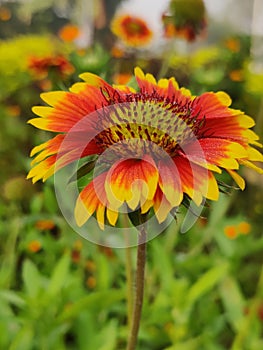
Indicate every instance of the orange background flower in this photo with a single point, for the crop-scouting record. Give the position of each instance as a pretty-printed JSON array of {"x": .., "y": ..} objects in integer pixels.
[
  {"x": 132, "y": 30},
  {"x": 69, "y": 33}
]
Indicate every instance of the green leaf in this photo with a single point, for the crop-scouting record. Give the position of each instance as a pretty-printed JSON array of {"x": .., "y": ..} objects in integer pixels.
[
  {"x": 192, "y": 344},
  {"x": 97, "y": 300},
  {"x": 133, "y": 83},
  {"x": 103, "y": 274},
  {"x": 23, "y": 339},
  {"x": 85, "y": 326},
  {"x": 91, "y": 333},
  {"x": 218, "y": 211},
  {"x": 83, "y": 171},
  {"x": 166, "y": 269},
  {"x": 233, "y": 302},
  {"x": 109, "y": 333},
  {"x": 59, "y": 275},
  {"x": 12, "y": 298},
  {"x": 206, "y": 282},
  {"x": 36, "y": 203},
  {"x": 31, "y": 278},
  {"x": 50, "y": 201}
]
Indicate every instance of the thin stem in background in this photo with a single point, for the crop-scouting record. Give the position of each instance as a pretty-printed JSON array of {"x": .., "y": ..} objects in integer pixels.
[
  {"x": 243, "y": 333},
  {"x": 139, "y": 291}
]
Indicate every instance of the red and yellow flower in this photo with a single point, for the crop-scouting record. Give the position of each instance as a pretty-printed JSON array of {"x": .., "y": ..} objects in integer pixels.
[
  {"x": 132, "y": 30},
  {"x": 155, "y": 147},
  {"x": 185, "y": 19},
  {"x": 41, "y": 66},
  {"x": 186, "y": 32}
]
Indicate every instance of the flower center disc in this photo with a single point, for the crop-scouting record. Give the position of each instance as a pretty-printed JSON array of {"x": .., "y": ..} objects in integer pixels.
[{"x": 146, "y": 124}]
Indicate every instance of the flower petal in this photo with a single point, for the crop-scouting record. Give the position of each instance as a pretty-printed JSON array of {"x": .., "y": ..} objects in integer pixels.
[
  {"x": 166, "y": 88},
  {"x": 162, "y": 206},
  {"x": 214, "y": 151},
  {"x": 47, "y": 149},
  {"x": 170, "y": 183},
  {"x": 232, "y": 128},
  {"x": 68, "y": 109},
  {"x": 212, "y": 105},
  {"x": 250, "y": 165},
  {"x": 100, "y": 212},
  {"x": 197, "y": 182},
  {"x": 237, "y": 178},
  {"x": 41, "y": 170},
  {"x": 254, "y": 155},
  {"x": 92, "y": 198},
  {"x": 131, "y": 181},
  {"x": 62, "y": 150},
  {"x": 112, "y": 216}
]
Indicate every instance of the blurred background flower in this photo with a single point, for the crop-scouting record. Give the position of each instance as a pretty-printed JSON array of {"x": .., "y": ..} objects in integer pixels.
[
  {"x": 185, "y": 19},
  {"x": 132, "y": 30}
]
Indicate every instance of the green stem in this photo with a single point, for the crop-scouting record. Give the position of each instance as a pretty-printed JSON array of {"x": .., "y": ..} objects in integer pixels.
[
  {"x": 137, "y": 310},
  {"x": 129, "y": 272}
]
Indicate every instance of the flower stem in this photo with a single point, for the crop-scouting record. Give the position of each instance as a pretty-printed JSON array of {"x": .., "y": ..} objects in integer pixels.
[
  {"x": 137, "y": 309},
  {"x": 129, "y": 272},
  {"x": 129, "y": 276}
]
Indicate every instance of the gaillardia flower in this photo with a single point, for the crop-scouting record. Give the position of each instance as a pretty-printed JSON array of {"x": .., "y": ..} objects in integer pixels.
[
  {"x": 149, "y": 150},
  {"x": 132, "y": 30},
  {"x": 185, "y": 19},
  {"x": 41, "y": 66}
]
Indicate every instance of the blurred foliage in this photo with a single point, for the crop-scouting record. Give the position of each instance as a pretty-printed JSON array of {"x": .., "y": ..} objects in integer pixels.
[{"x": 204, "y": 289}]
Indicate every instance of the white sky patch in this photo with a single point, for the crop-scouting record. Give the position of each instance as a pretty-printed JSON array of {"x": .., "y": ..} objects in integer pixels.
[{"x": 236, "y": 13}]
